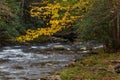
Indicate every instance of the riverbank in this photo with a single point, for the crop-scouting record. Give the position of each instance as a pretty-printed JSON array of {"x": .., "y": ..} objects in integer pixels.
[{"x": 96, "y": 67}]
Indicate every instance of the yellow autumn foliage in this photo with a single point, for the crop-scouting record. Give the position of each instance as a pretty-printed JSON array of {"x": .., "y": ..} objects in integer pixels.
[{"x": 57, "y": 21}]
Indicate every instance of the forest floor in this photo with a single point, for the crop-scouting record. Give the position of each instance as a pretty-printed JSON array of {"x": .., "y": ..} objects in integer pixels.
[{"x": 96, "y": 67}]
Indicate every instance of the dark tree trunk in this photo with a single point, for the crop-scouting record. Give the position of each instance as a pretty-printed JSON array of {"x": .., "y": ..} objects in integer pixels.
[
  {"x": 114, "y": 27},
  {"x": 25, "y": 8}
]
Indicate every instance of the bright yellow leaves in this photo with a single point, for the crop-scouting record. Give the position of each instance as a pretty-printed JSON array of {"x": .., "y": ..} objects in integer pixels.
[
  {"x": 32, "y": 34},
  {"x": 57, "y": 20}
]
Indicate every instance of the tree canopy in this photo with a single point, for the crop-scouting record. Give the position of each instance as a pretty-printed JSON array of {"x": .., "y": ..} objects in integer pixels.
[
  {"x": 56, "y": 16},
  {"x": 87, "y": 19}
]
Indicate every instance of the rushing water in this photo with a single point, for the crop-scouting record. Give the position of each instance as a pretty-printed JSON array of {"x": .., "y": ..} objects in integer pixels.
[{"x": 24, "y": 63}]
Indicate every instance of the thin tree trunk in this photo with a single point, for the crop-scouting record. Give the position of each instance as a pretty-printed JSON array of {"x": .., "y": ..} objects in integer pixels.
[
  {"x": 26, "y": 9},
  {"x": 118, "y": 23}
]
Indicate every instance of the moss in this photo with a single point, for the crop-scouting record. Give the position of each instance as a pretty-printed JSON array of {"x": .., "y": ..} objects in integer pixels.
[
  {"x": 96, "y": 67},
  {"x": 69, "y": 73}
]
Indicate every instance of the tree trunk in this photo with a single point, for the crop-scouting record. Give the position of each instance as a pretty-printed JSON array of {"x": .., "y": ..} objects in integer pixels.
[
  {"x": 115, "y": 25},
  {"x": 25, "y": 8},
  {"x": 117, "y": 8}
]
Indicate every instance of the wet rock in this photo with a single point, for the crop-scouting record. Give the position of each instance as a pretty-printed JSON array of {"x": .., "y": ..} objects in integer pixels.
[
  {"x": 25, "y": 78},
  {"x": 58, "y": 47},
  {"x": 3, "y": 60},
  {"x": 87, "y": 51},
  {"x": 7, "y": 78},
  {"x": 18, "y": 67},
  {"x": 114, "y": 66},
  {"x": 115, "y": 61},
  {"x": 43, "y": 79},
  {"x": 71, "y": 64},
  {"x": 49, "y": 64},
  {"x": 2, "y": 73},
  {"x": 57, "y": 39},
  {"x": 42, "y": 64},
  {"x": 117, "y": 69},
  {"x": 54, "y": 77},
  {"x": 37, "y": 64}
]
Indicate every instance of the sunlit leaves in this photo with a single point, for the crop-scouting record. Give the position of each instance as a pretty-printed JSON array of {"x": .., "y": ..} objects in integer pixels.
[{"x": 56, "y": 16}]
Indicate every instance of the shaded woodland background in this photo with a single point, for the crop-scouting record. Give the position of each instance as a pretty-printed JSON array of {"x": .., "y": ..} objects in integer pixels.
[{"x": 101, "y": 22}]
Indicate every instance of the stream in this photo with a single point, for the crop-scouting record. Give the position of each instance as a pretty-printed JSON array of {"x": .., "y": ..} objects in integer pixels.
[{"x": 32, "y": 62}]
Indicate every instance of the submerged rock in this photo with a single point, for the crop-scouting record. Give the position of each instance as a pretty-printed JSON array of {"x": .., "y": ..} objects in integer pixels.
[
  {"x": 3, "y": 60},
  {"x": 33, "y": 63},
  {"x": 18, "y": 67}
]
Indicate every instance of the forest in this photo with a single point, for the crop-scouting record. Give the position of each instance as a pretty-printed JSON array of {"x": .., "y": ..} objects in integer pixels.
[
  {"x": 37, "y": 20},
  {"x": 62, "y": 26}
]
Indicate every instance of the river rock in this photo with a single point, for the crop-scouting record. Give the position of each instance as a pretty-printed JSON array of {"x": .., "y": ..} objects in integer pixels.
[
  {"x": 71, "y": 64},
  {"x": 49, "y": 64},
  {"x": 3, "y": 60},
  {"x": 43, "y": 79},
  {"x": 117, "y": 69},
  {"x": 58, "y": 39},
  {"x": 114, "y": 61},
  {"x": 58, "y": 47},
  {"x": 18, "y": 67},
  {"x": 114, "y": 66},
  {"x": 54, "y": 77}
]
